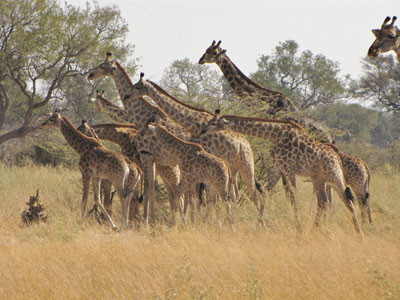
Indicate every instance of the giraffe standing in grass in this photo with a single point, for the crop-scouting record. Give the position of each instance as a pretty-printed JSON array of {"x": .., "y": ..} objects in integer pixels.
[
  {"x": 98, "y": 162},
  {"x": 123, "y": 135},
  {"x": 196, "y": 164},
  {"x": 387, "y": 38},
  {"x": 295, "y": 153}
]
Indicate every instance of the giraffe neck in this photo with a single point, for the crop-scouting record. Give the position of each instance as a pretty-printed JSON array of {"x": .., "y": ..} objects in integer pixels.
[
  {"x": 247, "y": 89},
  {"x": 113, "y": 111},
  {"x": 190, "y": 117},
  {"x": 272, "y": 130},
  {"x": 240, "y": 83},
  {"x": 175, "y": 148},
  {"x": 120, "y": 136},
  {"x": 77, "y": 140},
  {"x": 122, "y": 81}
]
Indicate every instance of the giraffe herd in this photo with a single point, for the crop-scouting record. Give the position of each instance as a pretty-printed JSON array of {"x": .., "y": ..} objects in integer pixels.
[{"x": 189, "y": 147}]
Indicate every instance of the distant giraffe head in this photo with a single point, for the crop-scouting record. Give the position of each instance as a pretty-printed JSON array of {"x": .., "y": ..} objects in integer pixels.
[
  {"x": 52, "y": 120},
  {"x": 387, "y": 39},
  {"x": 212, "y": 53},
  {"x": 105, "y": 69}
]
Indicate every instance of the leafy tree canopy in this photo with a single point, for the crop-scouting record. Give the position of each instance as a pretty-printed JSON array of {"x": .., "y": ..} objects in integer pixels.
[
  {"x": 306, "y": 78},
  {"x": 44, "y": 47}
]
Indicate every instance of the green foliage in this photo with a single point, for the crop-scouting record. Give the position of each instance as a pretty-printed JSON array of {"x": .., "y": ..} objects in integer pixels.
[
  {"x": 193, "y": 83},
  {"x": 306, "y": 78},
  {"x": 48, "y": 49},
  {"x": 379, "y": 83}
]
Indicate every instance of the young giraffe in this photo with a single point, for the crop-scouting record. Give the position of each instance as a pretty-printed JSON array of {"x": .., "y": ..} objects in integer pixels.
[
  {"x": 224, "y": 145},
  {"x": 357, "y": 175},
  {"x": 169, "y": 174},
  {"x": 387, "y": 39},
  {"x": 295, "y": 153},
  {"x": 249, "y": 91},
  {"x": 197, "y": 165},
  {"x": 124, "y": 138},
  {"x": 234, "y": 148},
  {"x": 97, "y": 162}
]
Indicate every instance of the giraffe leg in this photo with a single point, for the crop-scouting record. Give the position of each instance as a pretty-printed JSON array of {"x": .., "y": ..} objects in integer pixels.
[
  {"x": 347, "y": 197},
  {"x": 134, "y": 206},
  {"x": 328, "y": 191},
  {"x": 96, "y": 192},
  {"x": 289, "y": 182},
  {"x": 323, "y": 202},
  {"x": 86, "y": 176},
  {"x": 105, "y": 195},
  {"x": 149, "y": 187}
]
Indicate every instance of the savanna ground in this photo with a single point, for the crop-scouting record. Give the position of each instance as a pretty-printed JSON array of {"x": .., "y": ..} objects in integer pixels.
[{"x": 71, "y": 258}]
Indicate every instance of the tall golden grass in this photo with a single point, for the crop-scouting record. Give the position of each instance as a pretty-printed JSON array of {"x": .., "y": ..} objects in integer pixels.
[{"x": 71, "y": 258}]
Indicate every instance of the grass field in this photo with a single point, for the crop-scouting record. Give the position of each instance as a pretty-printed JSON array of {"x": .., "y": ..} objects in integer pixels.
[{"x": 71, "y": 258}]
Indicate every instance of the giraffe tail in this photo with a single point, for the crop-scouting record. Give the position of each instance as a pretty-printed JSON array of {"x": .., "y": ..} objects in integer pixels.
[
  {"x": 349, "y": 194},
  {"x": 259, "y": 187}
]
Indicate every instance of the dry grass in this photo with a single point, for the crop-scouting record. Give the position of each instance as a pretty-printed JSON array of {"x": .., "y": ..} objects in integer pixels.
[{"x": 68, "y": 258}]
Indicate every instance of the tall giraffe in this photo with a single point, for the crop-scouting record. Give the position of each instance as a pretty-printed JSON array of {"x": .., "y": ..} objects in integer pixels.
[
  {"x": 295, "y": 153},
  {"x": 387, "y": 39},
  {"x": 196, "y": 164},
  {"x": 234, "y": 148},
  {"x": 247, "y": 90},
  {"x": 97, "y": 162}
]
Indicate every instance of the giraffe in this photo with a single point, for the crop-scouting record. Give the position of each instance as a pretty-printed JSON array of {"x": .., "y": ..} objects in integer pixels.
[
  {"x": 124, "y": 138},
  {"x": 295, "y": 153},
  {"x": 196, "y": 164},
  {"x": 98, "y": 162},
  {"x": 387, "y": 39},
  {"x": 247, "y": 90},
  {"x": 357, "y": 175},
  {"x": 234, "y": 148}
]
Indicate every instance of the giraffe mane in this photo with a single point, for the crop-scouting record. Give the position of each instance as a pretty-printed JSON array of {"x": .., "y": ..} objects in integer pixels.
[
  {"x": 123, "y": 71},
  {"x": 176, "y": 100},
  {"x": 65, "y": 119},
  {"x": 288, "y": 122},
  {"x": 248, "y": 80},
  {"x": 115, "y": 125},
  {"x": 195, "y": 145}
]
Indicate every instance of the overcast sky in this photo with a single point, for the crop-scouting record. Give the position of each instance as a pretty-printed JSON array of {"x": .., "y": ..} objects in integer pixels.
[{"x": 166, "y": 30}]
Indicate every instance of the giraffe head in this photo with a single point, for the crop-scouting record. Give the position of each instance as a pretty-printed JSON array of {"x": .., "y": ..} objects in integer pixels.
[
  {"x": 140, "y": 88},
  {"x": 105, "y": 69},
  {"x": 387, "y": 38},
  {"x": 88, "y": 130},
  {"x": 212, "y": 54},
  {"x": 52, "y": 120},
  {"x": 215, "y": 124},
  {"x": 146, "y": 136},
  {"x": 97, "y": 100}
]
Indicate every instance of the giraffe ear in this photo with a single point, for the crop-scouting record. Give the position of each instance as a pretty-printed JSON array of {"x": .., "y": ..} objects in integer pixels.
[{"x": 376, "y": 32}]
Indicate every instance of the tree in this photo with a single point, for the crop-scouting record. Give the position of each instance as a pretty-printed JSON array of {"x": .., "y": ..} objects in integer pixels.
[
  {"x": 379, "y": 83},
  {"x": 306, "y": 78},
  {"x": 44, "y": 48},
  {"x": 193, "y": 83}
]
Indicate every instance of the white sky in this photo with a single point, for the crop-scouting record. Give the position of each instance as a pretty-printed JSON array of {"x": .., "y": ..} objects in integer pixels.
[{"x": 166, "y": 30}]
